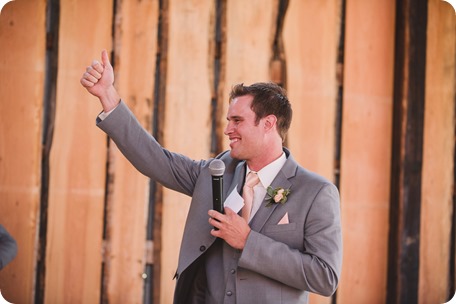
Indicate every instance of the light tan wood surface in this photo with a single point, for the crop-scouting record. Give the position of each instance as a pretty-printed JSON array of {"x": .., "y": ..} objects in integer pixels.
[
  {"x": 187, "y": 121},
  {"x": 249, "y": 37},
  {"x": 22, "y": 63},
  {"x": 128, "y": 196},
  {"x": 312, "y": 86},
  {"x": 366, "y": 149},
  {"x": 78, "y": 160},
  {"x": 438, "y": 154}
]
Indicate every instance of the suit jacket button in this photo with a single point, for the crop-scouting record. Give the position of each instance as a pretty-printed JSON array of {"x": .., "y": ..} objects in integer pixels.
[
  {"x": 229, "y": 293},
  {"x": 202, "y": 248},
  {"x": 233, "y": 271}
]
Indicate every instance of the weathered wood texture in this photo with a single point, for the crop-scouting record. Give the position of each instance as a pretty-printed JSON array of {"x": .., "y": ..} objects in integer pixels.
[
  {"x": 407, "y": 152},
  {"x": 311, "y": 58},
  {"x": 202, "y": 48},
  {"x": 187, "y": 118},
  {"x": 438, "y": 151},
  {"x": 78, "y": 161},
  {"x": 128, "y": 196},
  {"x": 249, "y": 37},
  {"x": 311, "y": 82},
  {"x": 22, "y": 62},
  {"x": 366, "y": 149}
]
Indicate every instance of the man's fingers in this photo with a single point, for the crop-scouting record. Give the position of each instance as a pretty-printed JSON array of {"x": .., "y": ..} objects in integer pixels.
[
  {"x": 90, "y": 78},
  {"x": 229, "y": 211},
  {"x": 215, "y": 222},
  {"x": 93, "y": 72},
  {"x": 96, "y": 65},
  {"x": 87, "y": 84},
  {"x": 215, "y": 214}
]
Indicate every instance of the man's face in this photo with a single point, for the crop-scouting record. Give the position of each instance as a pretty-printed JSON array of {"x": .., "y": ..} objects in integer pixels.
[{"x": 246, "y": 138}]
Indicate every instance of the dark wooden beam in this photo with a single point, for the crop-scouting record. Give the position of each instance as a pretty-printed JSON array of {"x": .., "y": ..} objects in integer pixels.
[
  {"x": 154, "y": 225},
  {"x": 49, "y": 106},
  {"x": 408, "y": 121}
]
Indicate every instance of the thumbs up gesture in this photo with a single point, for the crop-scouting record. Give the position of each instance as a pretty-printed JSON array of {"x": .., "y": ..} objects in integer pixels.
[{"x": 98, "y": 79}]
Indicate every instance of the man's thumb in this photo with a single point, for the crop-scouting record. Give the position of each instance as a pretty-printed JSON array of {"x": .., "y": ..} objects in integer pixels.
[{"x": 105, "y": 59}]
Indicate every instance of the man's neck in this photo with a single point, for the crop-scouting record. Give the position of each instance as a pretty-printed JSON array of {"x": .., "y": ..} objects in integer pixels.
[{"x": 260, "y": 162}]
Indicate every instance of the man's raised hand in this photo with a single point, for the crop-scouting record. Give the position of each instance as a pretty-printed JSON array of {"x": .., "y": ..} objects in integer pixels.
[{"x": 98, "y": 79}]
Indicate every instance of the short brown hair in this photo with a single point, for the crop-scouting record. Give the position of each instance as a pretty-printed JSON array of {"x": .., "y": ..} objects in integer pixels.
[{"x": 268, "y": 98}]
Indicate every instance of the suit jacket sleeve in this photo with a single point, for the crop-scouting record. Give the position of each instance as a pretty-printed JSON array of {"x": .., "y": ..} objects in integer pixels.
[
  {"x": 8, "y": 247},
  {"x": 317, "y": 267},
  {"x": 173, "y": 170}
]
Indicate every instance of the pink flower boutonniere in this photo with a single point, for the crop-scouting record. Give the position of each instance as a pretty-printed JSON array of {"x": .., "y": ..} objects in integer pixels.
[{"x": 276, "y": 196}]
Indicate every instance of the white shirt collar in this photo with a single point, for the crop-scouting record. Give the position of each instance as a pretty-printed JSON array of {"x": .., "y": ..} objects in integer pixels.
[{"x": 270, "y": 171}]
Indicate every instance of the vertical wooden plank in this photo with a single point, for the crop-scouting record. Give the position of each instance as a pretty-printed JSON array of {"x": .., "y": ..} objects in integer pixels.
[
  {"x": 250, "y": 28},
  {"x": 438, "y": 149},
  {"x": 22, "y": 61},
  {"x": 78, "y": 160},
  {"x": 187, "y": 122},
  {"x": 407, "y": 153},
  {"x": 311, "y": 38},
  {"x": 218, "y": 64},
  {"x": 366, "y": 149},
  {"x": 135, "y": 51},
  {"x": 156, "y": 191}
]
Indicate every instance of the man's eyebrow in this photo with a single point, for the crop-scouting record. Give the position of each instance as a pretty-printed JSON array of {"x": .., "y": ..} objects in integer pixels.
[{"x": 234, "y": 117}]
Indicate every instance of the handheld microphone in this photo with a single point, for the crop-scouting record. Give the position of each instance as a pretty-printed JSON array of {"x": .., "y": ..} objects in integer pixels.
[{"x": 217, "y": 168}]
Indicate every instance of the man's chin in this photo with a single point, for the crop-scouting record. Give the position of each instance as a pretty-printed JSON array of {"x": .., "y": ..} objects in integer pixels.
[{"x": 234, "y": 154}]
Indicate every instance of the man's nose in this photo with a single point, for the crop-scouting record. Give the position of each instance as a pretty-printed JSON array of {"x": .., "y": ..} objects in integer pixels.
[{"x": 228, "y": 129}]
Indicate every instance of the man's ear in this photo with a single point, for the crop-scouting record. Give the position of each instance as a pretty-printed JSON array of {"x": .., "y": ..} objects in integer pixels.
[{"x": 270, "y": 122}]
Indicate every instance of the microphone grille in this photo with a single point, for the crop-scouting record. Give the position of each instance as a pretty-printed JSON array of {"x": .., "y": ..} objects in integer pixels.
[{"x": 217, "y": 167}]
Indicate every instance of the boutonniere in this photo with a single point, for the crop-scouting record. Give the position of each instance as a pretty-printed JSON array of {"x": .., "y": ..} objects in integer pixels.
[{"x": 276, "y": 196}]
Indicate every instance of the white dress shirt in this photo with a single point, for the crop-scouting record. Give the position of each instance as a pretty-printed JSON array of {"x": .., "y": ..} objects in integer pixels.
[{"x": 266, "y": 176}]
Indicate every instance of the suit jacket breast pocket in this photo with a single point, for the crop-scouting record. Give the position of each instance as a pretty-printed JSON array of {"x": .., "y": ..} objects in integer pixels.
[
  {"x": 280, "y": 228},
  {"x": 286, "y": 233}
]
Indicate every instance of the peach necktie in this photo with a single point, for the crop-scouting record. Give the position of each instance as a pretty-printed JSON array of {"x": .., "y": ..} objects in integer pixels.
[{"x": 247, "y": 194}]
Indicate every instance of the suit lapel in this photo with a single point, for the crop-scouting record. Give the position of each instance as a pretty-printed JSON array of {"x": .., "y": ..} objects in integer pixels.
[
  {"x": 238, "y": 179},
  {"x": 282, "y": 180}
]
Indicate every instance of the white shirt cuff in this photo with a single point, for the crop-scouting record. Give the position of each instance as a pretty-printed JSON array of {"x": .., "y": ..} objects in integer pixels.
[{"x": 103, "y": 115}]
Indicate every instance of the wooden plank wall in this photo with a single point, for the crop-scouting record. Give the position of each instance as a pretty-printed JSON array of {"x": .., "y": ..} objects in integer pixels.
[
  {"x": 77, "y": 173},
  {"x": 407, "y": 151},
  {"x": 366, "y": 148},
  {"x": 172, "y": 58},
  {"x": 187, "y": 115},
  {"x": 312, "y": 85},
  {"x": 248, "y": 30},
  {"x": 438, "y": 147},
  {"x": 22, "y": 62},
  {"x": 135, "y": 46},
  {"x": 311, "y": 81}
]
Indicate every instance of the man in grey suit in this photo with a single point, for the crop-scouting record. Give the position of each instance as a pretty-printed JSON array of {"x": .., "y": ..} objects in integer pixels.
[{"x": 275, "y": 246}]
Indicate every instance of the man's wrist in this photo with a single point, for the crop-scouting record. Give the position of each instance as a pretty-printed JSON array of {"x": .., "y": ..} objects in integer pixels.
[
  {"x": 110, "y": 100},
  {"x": 246, "y": 238}
]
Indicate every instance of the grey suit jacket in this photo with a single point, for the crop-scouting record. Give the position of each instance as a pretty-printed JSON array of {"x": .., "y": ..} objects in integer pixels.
[
  {"x": 8, "y": 247},
  {"x": 280, "y": 263}
]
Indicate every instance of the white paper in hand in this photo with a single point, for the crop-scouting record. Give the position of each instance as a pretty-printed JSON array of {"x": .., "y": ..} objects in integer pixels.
[{"x": 234, "y": 201}]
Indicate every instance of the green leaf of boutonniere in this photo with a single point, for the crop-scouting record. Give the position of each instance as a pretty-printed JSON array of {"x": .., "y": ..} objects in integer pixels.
[{"x": 278, "y": 195}]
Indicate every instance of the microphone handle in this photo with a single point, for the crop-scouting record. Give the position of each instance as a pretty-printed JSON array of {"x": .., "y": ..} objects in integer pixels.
[{"x": 217, "y": 193}]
